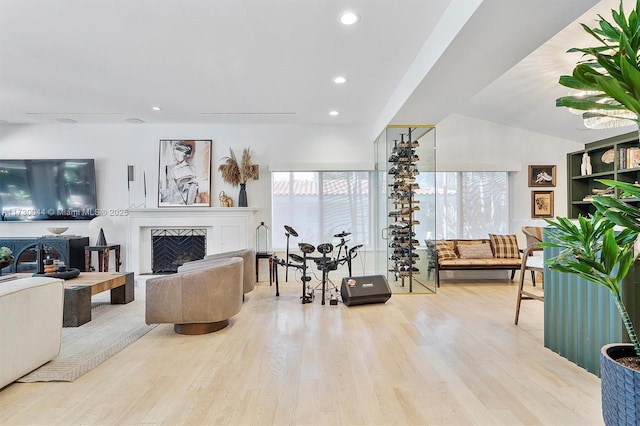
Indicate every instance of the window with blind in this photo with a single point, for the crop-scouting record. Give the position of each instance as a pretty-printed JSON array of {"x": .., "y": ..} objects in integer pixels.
[
  {"x": 318, "y": 205},
  {"x": 471, "y": 204}
]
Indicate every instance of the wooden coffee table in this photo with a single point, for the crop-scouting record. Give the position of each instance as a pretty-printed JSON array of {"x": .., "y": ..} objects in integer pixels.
[{"x": 78, "y": 292}]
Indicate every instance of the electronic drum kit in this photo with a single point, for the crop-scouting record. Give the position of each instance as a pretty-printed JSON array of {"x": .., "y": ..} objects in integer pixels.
[{"x": 324, "y": 263}]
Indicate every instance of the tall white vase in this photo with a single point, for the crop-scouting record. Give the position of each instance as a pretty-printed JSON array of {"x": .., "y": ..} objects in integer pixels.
[{"x": 585, "y": 167}]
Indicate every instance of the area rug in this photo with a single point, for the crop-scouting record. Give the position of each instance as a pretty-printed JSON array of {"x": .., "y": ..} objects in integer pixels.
[{"x": 111, "y": 329}]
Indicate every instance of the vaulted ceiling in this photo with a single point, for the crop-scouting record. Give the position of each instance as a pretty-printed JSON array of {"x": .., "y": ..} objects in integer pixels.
[{"x": 273, "y": 61}]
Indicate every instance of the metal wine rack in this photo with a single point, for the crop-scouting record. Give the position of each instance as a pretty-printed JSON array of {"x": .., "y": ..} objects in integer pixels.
[{"x": 402, "y": 238}]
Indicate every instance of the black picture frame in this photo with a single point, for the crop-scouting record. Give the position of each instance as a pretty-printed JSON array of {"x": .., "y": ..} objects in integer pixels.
[
  {"x": 542, "y": 176},
  {"x": 184, "y": 173},
  {"x": 541, "y": 204}
]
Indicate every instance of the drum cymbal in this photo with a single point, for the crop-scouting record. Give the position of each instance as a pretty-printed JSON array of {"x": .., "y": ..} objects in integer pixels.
[
  {"x": 325, "y": 248},
  {"x": 296, "y": 258},
  {"x": 342, "y": 234},
  {"x": 306, "y": 248},
  {"x": 290, "y": 230},
  {"x": 354, "y": 248}
]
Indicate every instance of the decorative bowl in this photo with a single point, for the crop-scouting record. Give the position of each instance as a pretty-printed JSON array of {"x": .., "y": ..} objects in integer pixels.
[{"x": 57, "y": 230}]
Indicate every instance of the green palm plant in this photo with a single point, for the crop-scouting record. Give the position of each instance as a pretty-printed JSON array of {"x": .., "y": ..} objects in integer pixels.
[
  {"x": 609, "y": 74},
  {"x": 593, "y": 250}
]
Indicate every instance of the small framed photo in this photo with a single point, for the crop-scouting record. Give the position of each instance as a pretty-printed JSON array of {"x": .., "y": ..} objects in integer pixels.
[
  {"x": 184, "y": 175},
  {"x": 542, "y": 176},
  {"x": 541, "y": 204}
]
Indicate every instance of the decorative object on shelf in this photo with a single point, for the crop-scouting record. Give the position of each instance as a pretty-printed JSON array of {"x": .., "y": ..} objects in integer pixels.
[
  {"x": 262, "y": 238},
  {"x": 242, "y": 196},
  {"x": 225, "y": 201},
  {"x": 185, "y": 173},
  {"x": 542, "y": 176},
  {"x": 100, "y": 222},
  {"x": 67, "y": 274},
  {"x": 585, "y": 166},
  {"x": 6, "y": 257},
  {"x": 608, "y": 71},
  {"x": 235, "y": 173},
  {"x": 608, "y": 157},
  {"x": 57, "y": 230},
  {"x": 541, "y": 204}
]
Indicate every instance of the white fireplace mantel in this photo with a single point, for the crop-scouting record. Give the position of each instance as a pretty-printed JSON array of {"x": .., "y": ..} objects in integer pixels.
[{"x": 227, "y": 229}]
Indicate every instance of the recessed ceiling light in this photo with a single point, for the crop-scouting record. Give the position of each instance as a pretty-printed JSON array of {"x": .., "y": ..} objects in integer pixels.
[
  {"x": 339, "y": 80},
  {"x": 349, "y": 18},
  {"x": 66, "y": 120},
  {"x": 156, "y": 108},
  {"x": 134, "y": 120},
  {"x": 333, "y": 113}
]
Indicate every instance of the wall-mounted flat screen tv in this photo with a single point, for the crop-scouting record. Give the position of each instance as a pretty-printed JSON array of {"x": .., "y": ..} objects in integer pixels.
[{"x": 47, "y": 190}]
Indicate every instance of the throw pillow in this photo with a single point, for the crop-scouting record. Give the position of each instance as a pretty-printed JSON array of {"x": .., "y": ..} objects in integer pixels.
[
  {"x": 505, "y": 246},
  {"x": 445, "y": 251},
  {"x": 475, "y": 251}
]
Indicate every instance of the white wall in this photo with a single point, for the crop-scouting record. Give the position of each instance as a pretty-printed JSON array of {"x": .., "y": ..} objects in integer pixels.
[
  {"x": 115, "y": 146},
  {"x": 465, "y": 143},
  {"x": 462, "y": 143}
]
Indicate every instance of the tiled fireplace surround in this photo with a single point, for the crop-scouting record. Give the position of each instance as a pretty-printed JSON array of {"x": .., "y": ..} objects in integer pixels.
[{"x": 227, "y": 229}]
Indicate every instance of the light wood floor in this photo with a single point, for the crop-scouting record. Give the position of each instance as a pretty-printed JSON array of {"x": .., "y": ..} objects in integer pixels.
[{"x": 454, "y": 358}]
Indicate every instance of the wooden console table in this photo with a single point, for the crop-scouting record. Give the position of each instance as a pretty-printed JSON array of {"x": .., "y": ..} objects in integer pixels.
[
  {"x": 103, "y": 257},
  {"x": 67, "y": 248}
]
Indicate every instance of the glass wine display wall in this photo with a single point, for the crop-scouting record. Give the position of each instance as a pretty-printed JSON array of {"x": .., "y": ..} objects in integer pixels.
[{"x": 402, "y": 188}]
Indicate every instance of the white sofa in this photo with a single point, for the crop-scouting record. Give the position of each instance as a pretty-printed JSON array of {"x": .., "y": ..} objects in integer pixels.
[{"x": 31, "y": 325}]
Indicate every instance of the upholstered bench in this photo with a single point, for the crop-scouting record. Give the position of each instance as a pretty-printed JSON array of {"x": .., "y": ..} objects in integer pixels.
[{"x": 499, "y": 252}]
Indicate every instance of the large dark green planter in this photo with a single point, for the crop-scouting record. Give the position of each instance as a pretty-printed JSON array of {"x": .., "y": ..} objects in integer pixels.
[{"x": 620, "y": 386}]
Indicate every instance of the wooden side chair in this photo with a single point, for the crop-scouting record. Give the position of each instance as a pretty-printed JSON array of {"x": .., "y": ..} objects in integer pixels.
[
  {"x": 530, "y": 263},
  {"x": 533, "y": 235}
]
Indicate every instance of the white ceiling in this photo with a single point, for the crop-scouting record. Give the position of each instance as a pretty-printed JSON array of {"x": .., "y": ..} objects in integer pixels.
[{"x": 273, "y": 61}]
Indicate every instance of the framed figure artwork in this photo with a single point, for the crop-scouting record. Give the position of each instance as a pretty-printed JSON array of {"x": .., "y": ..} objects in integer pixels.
[
  {"x": 184, "y": 175},
  {"x": 542, "y": 176},
  {"x": 541, "y": 204}
]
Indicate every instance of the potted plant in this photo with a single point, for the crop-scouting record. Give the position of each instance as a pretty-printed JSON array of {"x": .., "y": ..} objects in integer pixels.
[
  {"x": 594, "y": 250},
  {"x": 235, "y": 173},
  {"x": 6, "y": 257},
  {"x": 608, "y": 83}
]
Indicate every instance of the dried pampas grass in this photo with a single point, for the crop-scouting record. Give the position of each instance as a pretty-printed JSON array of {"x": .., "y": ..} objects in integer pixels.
[{"x": 234, "y": 173}]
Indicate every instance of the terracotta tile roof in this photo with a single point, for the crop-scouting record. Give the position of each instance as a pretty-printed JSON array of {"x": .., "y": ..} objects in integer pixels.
[{"x": 310, "y": 187}]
